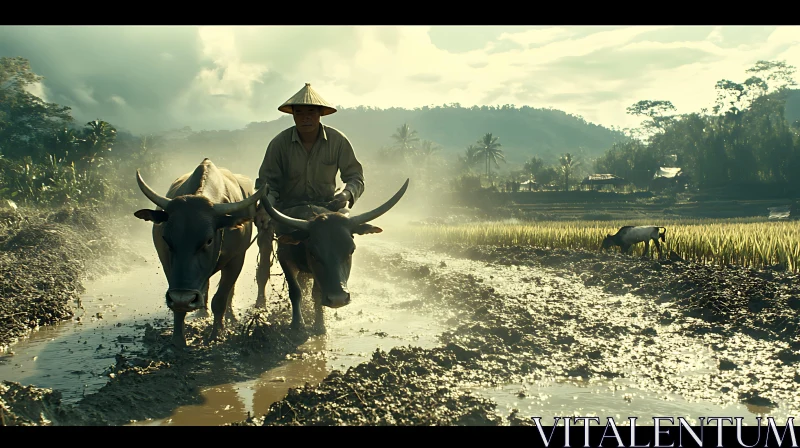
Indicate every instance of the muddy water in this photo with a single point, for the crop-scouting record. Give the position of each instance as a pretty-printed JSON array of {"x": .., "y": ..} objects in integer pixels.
[
  {"x": 683, "y": 359},
  {"x": 74, "y": 356}
]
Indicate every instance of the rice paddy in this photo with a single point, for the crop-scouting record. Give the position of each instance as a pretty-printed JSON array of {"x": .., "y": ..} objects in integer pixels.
[{"x": 754, "y": 242}]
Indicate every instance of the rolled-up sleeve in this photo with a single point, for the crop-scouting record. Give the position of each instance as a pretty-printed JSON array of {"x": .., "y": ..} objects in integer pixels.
[
  {"x": 352, "y": 173},
  {"x": 270, "y": 171}
]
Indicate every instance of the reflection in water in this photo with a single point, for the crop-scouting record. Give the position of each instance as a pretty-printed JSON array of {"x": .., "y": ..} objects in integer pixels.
[
  {"x": 609, "y": 399},
  {"x": 71, "y": 355},
  {"x": 231, "y": 402}
]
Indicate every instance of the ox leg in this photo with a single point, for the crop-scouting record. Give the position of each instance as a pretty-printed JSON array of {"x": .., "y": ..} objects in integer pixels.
[
  {"x": 264, "y": 242},
  {"x": 221, "y": 300},
  {"x": 178, "y": 338},
  {"x": 626, "y": 249},
  {"x": 646, "y": 248},
  {"x": 203, "y": 313},
  {"x": 295, "y": 294},
  {"x": 319, "y": 312},
  {"x": 658, "y": 247},
  {"x": 229, "y": 316}
]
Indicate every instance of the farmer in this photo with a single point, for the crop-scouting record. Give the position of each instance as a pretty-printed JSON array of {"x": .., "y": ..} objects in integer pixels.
[{"x": 300, "y": 165}]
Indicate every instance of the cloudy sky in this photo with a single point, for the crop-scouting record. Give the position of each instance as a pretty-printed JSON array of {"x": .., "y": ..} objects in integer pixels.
[{"x": 149, "y": 78}]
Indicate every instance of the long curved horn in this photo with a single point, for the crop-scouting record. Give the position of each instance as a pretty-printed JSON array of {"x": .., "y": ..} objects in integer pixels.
[
  {"x": 370, "y": 215},
  {"x": 300, "y": 224},
  {"x": 156, "y": 198},
  {"x": 233, "y": 207}
]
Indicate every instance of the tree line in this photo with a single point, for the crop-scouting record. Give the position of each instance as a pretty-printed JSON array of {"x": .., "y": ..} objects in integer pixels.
[{"x": 745, "y": 139}]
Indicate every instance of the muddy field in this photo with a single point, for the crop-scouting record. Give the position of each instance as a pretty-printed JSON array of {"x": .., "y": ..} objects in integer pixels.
[{"x": 509, "y": 333}]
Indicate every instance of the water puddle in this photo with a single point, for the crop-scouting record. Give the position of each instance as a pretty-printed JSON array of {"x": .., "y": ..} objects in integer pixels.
[
  {"x": 610, "y": 399},
  {"x": 679, "y": 359},
  {"x": 73, "y": 356}
]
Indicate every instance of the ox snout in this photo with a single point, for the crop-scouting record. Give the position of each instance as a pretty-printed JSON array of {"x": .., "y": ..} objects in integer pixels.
[
  {"x": 336, "y": 300},
  {"x": 186, "y": 300}
]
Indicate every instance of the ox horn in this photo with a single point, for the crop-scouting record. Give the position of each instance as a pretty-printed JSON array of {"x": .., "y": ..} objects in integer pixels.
[
  {"x": 370, "y": 215},
  {"x": 156, "y": 198},
  {"x": 233, "y": 207},
  {"x": 300, "y": 224}
]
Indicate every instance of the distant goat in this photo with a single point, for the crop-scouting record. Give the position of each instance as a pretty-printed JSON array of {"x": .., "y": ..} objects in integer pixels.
[{"x": 627, "y": 236}]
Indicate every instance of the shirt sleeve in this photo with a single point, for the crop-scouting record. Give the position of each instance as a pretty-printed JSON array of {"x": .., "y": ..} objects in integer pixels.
[
  {"x": 270, "y": 172},
  {"x": 352, "y": 173}
]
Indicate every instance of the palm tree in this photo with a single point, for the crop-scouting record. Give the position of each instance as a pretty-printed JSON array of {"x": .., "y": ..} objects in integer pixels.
[
  {"x": 405, "y": 140},
  {"x": 427, "y": 148},
  {"x": 489, "y": 150},
  {"x": 423, "y": 154},
  {"x": 567, "y": 165},
  {"x": 466, "y": 162},
  {"x": 533, "y": 167},
  {"x": 99, "y": 137}
]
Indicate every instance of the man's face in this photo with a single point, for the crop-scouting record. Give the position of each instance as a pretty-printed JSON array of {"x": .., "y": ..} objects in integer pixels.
[{"x": 306, "y": 118}]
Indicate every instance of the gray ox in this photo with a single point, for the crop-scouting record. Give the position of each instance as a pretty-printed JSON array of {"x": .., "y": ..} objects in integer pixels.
[
  {"x": 321, "y": 243},
  {"x": 627, "y": 236},
  {"x": 201, "y": 227}
]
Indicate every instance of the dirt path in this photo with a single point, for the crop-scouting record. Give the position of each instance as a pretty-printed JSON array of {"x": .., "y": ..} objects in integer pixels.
[{"x": 452, "y": 336}]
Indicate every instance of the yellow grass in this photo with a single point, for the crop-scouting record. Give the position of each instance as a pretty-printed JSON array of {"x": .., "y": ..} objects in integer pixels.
[{"x": 753, "y": 242}]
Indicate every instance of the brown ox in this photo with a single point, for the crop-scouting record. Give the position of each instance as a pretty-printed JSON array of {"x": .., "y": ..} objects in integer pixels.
[
  {"x": 320, "y": 242},
  {"x": 201, "y": 227}
]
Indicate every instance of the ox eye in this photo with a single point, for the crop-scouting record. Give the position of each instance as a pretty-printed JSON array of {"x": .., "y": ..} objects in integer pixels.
[{"x": 210, "y": 240}]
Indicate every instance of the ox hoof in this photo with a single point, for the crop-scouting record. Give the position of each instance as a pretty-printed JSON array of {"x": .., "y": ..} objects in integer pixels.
[
  {"x": 214, "y": 336},
  {"x": 179, "y": 343},
  {"x": 211, "y": 338},
  {"x": 297, "y": 327},
  {"x": 261, "y": 302},
  {"x": 318, "y": 330}
]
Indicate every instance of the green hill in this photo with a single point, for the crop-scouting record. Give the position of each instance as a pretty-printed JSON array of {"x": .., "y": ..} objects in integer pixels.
[{"x": 523, "y": 132}]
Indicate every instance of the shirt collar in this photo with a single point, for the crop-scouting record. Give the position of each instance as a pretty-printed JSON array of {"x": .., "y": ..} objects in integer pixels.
[{"x": 296, "y": 136}]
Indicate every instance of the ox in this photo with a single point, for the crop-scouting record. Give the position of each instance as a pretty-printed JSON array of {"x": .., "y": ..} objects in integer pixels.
[
  {"x": 201, "y": 227},
  {"x": 320, "y": 243},
  {"x": 627, "y": 236}
]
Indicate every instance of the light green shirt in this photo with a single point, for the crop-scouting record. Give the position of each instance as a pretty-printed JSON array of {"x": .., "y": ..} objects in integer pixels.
[{"x": 295, "y": 175}]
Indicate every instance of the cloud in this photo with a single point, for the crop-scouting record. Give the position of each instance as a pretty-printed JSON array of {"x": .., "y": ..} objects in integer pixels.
[
  {"x": 715, "y": 35},
  {"x": 37, "y": 89},
  {"x": 537, "y": 37},
  {"x": 425, "y": 77},
  {"x": 218, "y": 77},
  {"x": 116, "y": 99},
  {"x": 84, "y": 95}
]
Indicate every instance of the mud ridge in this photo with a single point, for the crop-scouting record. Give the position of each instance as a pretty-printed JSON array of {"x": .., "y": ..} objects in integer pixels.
[{"x": 539, "y": 334}]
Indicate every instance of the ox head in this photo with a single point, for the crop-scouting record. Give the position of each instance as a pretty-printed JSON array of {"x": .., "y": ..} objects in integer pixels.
[
  {"x": 608, "y": 241},
  {"x": 329, "y": 244},
  {"x": 192, "y": 232}
]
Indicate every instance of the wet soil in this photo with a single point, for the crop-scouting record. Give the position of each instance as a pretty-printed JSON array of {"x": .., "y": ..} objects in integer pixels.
[
  {"x": 44, "y": 257},
  {"x": 516, "y": 317},
  {"x": 553, "y": 314}
]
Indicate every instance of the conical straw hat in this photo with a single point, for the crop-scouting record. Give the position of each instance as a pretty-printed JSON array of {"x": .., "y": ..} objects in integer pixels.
[{"x": 307, "y": 97}]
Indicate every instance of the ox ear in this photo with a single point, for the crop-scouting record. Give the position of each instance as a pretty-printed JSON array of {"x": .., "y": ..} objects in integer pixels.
[
  {"x": 366, "y": 229},
  {"x": 157, "y": 216},
  {"x": 296, "y": 237},
  {"x": 232, "y": 222}
]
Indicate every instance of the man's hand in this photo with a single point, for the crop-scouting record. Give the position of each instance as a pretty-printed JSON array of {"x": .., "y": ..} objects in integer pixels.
[
  {"x": 340, "y": 200},
  {"x": 262, "y": 218}
]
